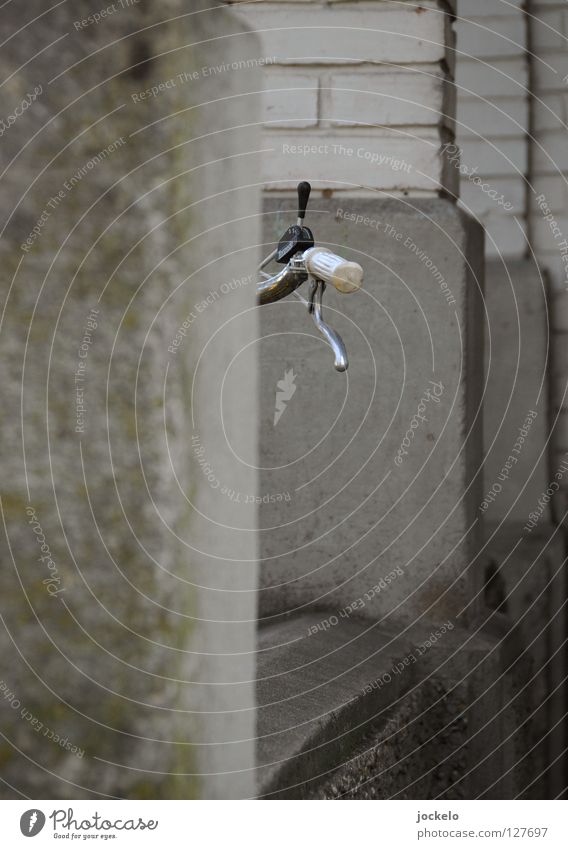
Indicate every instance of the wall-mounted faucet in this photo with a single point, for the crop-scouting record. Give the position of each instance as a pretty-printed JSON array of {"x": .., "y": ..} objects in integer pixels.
[{"x": 302, "y": 260}]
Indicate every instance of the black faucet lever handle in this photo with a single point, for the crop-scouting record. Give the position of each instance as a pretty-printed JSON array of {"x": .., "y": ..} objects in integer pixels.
[{"x": 304, "y": 190}]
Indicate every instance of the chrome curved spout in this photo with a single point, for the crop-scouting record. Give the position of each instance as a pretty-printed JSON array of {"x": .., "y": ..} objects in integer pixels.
[
  {"x": 321, "y": 266},
  {"x": 282, "y": 284},
  {"x": 304, "y": 260}
]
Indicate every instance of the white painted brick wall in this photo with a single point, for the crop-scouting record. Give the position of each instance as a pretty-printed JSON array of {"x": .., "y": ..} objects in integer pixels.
[
  {"x": 504, "y": 230},
  {"x": 556, "y": 191},
  {"x": 550, "y": 154},
  {"x": 371, "y": 75},
  {"x": 503, "y": 78},
  {"x": 480, "y": 8},
  {"x": 548, "y": 34},
  {"x": 493, "y": 118},
  {"x": 505, "y": 117},
  {"x": 492, "y": 37},
  {"x": 541, "y": 234},
  {"x": 291, "y": 99},
  {"x": 512, "y": 188},
  {"x": 374, "y": 161},
  {"x": 387, "y": 98},
  {"x": 548, "y": 111},
  {"x": 496, "y": 158},
  {"x": 551, "y": 72},
  {"x": 349, "y": 32}
]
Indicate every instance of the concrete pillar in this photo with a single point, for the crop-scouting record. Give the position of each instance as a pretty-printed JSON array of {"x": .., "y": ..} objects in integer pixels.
[
  {"x": 548, "y": 200},
  {"x": 129, "y": 572},
  {"x": 377, "y": 464},
  {"x": 493, "y": 152}
]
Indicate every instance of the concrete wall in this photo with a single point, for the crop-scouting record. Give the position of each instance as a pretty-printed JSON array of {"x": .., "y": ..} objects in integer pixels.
[
  {"x": 549, "y": 195},
  {"x": 128, "y": 586},
  {"x": 366, "y": 498}
]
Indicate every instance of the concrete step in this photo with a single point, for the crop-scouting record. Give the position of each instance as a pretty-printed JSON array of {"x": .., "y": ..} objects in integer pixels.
[{"x": 347, "y": 708}]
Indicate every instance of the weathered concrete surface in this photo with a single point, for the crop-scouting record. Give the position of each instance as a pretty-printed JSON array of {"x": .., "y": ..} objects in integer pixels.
[
  {"x": 131, "y": 643},
  {"x": 516, "y": 399},
  {"x": 526, "y": 584},
  {"x": 355, "y": 514},
  {"x": 368, "y": 712}
]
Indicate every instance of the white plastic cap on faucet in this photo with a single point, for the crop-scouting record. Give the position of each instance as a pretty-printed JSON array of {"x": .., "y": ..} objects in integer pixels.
[{"x": 324, "y": 265}]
